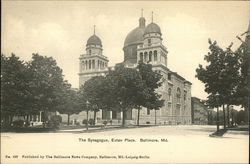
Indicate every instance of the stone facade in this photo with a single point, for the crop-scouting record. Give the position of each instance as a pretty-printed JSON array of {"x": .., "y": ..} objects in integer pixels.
[
  {"x": 199, "y": 112},
  {"x": 143, "y": 43}
]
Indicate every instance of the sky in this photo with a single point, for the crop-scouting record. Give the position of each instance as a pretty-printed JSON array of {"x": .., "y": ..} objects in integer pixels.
[{"x": 61, "y": 29}]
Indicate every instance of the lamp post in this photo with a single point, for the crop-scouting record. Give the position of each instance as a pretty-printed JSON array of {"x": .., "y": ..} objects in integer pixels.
[
  {"x": 87, "y": 123},
  {"x": 217, "y": 112}
]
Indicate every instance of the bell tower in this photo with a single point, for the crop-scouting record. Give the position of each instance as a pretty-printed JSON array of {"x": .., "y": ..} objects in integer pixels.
[
  {"x": 152, "y": 51},
  {"x": 93, "y": 62}
]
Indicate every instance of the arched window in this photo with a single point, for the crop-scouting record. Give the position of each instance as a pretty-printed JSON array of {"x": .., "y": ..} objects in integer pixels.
[
  {"x": 178, "y": 110},
  {"x": 89, "y": 64},
  {"x": 141, "y": 56},
  {"x": 149, "y": 42},
  {"x": 83, "y": 65},
  {"x": 145, "y": 56},
  {"x": 93, "y": 64},
  {"x": 86, "y": 64},
  {"x": 155, "y": 55},
  {"x": 169, "y": 94},
  {"x": 178, "y": 95},
  {"x": 89, "y": 52},
  {"x": 150, "y": 56},
  {"x": 185, "y": 95},
  {"x": 148, "y": 111}
]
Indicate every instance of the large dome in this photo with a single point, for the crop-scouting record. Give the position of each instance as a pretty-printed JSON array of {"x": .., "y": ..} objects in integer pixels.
[
  {"x": 94, "y": 40},
  {"x": 152, "y": 28},
  {"x": 135, "y": 36}
]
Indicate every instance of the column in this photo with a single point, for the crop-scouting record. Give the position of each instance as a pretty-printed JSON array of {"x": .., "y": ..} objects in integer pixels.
[
  {"x": 110, "y": 115},
  {"x": 90, "y": 64},
  {"x": 93, "y": 64},
  {"x": 40, "y": 116},
  {"x": 96, "y": 64},
  {"x": 153, "y": 58},
  {"x": 80, "y": 66}
]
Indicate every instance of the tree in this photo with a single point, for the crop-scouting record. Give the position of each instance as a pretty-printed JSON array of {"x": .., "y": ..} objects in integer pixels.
[
  {"x": 30, "y": 87},
  {"x": 214, "y": 102},
  {"x": 69, "y": 102},
  {"x": 243, "y": 89},
  {"x": 220, "y": 75},
  {"x": 240, "y": 117},
  {"x": 124, "y": 86},
  {"x": 84, "y": 104},
  {"x": 94, "y": 89},
  {"x": 46, "y": 83},
  {"x": 148, "y": 97},
  {"x": 15, "y": 91}
]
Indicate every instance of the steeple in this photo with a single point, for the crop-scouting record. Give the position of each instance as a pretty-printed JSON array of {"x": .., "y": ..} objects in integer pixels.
[
  {"x": 94, "y": 29},
  {"x": 152, "y": 17},
  {"x": 142, "y": 20}
]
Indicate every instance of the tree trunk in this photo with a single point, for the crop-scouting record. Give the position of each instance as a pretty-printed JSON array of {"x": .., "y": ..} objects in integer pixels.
[
  {"x": 68, "y": 118},
  {"x": 94, "y": 116},
  {"x": 224, "y": 116},
  {"x": 155, "y": 116},
  {"x": 247, "y": 114},
  {"x": 7, "y": 120},
  {"x": 232, "y": 115},
  {"x": 217, "y": 119},
  {"x": 228, "y": 117},
  {"x": 138, "y": 117},
  {"x": 44, "y": 119},
  {"x": 11, "y": 119},
  {"x": 87, "y": 124},
  {"x": 123, "y": 118},
  {"x": 44, "y": 116}
]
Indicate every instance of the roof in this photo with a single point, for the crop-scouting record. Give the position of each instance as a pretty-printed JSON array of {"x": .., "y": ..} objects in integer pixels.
[
  {"x": 135, "y": 36},
  {"x": 152, "y": 28},
  {"x": 94, "y": 40},
  {"x": 197, "y": 100},
  {"x": 182, "y": 78}
]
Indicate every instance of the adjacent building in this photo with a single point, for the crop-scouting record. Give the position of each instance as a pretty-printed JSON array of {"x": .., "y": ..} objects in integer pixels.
[{"x": 199, "y": 112}]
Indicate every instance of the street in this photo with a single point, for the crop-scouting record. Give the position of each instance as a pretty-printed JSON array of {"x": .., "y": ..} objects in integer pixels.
[{"x": 161, "y": 144}]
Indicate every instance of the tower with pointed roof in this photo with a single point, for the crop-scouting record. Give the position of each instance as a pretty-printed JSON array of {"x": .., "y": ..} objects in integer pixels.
[
  {"x": 92, "y": 62},
  {"x": 133, "y": 40},
  {"x": 152, "y": 50}
]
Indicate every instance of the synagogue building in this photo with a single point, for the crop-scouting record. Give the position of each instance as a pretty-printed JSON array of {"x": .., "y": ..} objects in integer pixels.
[{"x": 144, "y": 43}]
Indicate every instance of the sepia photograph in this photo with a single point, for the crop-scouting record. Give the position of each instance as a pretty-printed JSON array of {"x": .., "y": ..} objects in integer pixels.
[{"x": 146, "y": 82}]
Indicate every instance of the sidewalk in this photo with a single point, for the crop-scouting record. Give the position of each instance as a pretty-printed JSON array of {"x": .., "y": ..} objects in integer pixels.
[{"x": 101, "y": 129}]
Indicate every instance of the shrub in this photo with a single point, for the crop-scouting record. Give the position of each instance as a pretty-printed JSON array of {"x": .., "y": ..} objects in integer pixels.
[
  {"x": 26, "y": 123},
  {"x": 77, "y": 123},
  {"x": 18, "y": 123},
  {"x": 105, "y": 123},
  {"x": 91, "y": 121},
  {"x": 84, "y": 121},
  {"x": 55, "y": 121}
]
